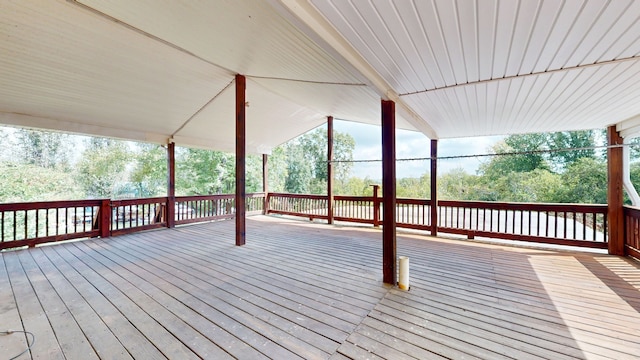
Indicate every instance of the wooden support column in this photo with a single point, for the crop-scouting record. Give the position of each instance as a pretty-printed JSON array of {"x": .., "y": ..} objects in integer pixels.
[
  {"x": 615, "y": 193},
  {"x": 330, "y": 169},
  {"x": 265, "y": 183},
  {"x": 241, "y": 210},
  {"x": 434, "y": 187},
  {"x": 389, "y": 192},
  {"x": 171, "y": 185}
]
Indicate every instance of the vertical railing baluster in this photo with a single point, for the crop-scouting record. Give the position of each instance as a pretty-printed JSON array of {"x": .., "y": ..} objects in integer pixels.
[
  {"x": 595, "y": 225},
  {"x": 15, "y": 225}
]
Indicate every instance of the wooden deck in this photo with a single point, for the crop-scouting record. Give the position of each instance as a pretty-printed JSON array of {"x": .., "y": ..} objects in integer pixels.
[{"x": 302, "y": 290}]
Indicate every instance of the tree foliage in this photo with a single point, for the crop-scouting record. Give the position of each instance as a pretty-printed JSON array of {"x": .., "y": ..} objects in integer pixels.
[
  {"x": 40, "y": 169},
  {"x": 203, "y": 172},
  {"x": 29, "y": 182},
  {"x": 150, "y": 170},
  {"x": 102, "y": 167},
  {"x": 585, "y": 181},
  {"x": 542, "y": 171},
  {"x": 43, "y": 149},
  {"x": 582, "y": 141},
  {"x": 306, "y": 159}
]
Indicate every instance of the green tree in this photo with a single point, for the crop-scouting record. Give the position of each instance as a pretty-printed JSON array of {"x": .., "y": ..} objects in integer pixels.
[
  {"x": 43, "y": 148},
  {"x": 504, "y": 162},
  {"x": 355, "y": 186},
  {"x": 103, "y": 166},
  {"x": 204, "y": 172},
  {"x": 457, "y": 184},
  {"x": 412, "y": 187},
  {"x": 150, "y": 171},
  {"x": 253, "y": 178},
  {"x": 539, "y": 185},
  {"x": 28, "y": 182},
  {"x": 585, "y": 181},
  {"x": 306, "y": 162},
  {"x": 299, "y": 171},
  {"x": 278, "y": 169},
  {"x": 314, "y": 147},
  {"x": 582, "y": 141}
]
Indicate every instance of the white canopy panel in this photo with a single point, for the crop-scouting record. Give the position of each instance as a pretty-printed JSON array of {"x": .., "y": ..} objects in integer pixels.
[
  {"x": 156, "y": 70},
  {"x": 492, "y": 67}
]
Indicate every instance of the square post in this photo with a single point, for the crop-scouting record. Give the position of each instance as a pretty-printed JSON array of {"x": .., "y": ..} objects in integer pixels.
[
  {"x": 265, "y": 183},
  {"x": 389, "y": 192},
  {"x": 376, "y": 206},
  {"x": 615, "y": 211},
  {"x": 330, "y": 169},
  {"x": 434, "y": 187},
  {"x": 104, "y": 218},
  {"x": 171, "y": 185},
  {"x": 241, "y": 210}
]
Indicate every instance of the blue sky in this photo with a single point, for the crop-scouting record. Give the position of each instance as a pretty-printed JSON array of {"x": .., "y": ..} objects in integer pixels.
[{"x": 410, "y": 144}]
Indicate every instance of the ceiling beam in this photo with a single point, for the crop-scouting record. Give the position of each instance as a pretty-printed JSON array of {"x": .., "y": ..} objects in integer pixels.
[
  {"x": 551, "y": 71},
  {"x": 309, "y": 20}
]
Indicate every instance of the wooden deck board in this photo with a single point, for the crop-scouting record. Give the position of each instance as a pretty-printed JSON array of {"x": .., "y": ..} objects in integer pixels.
[
  {"x": 128, "y": 335},
  {"x": 32, "y": 314},
  {"x": 14, "y": 343},
  {"x": 302, "y": 290},
  {"x": 189, "y": 285},
  {"x": 98, "y": 335}
]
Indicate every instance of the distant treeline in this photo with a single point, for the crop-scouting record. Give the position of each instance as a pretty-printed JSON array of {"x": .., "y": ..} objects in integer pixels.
[{"x": 53, "y": 166}]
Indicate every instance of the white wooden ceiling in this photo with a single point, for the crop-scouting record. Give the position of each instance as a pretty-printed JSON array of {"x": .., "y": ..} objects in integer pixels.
[
  {"x": 155, "y": 70},
  {"x": 490, "y": 67}
]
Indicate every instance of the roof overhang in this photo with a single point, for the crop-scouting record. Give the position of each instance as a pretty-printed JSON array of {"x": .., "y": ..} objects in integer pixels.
[{"x": 140, "y": 71}]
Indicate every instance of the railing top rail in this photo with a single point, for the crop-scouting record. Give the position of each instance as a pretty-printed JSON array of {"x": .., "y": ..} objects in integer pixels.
[
  {"x": 413, "y": 201},
  {"x": 595, "y": 208},
  {"x": 634, "y": 210},
  {"x": 49, "y": 204},
  {"x": 216, "y": 197},
  {"x": 138, "y": 201},
  {"x": 353, "y": 198},
  {"x": 299, "y": 196},
  {"x": 205, "y": 197}
]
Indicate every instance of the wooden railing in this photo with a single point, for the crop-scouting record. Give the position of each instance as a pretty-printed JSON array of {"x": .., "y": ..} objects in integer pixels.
[
  {"x": 413, "y": 214},
  {"x": 309, "y": 206},
  {"x": 632, "y": 231},
  {"x": 360, "y": 209},
  {"x": 190, "y": 209},
  {"x": 137, "y": 215},
  {"x": 563, "y": 224},
  {"x": 29, "y": 224}
]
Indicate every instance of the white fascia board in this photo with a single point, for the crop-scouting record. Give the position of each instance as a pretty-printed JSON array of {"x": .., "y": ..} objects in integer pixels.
[
  {"x": 629, "y": 123},
  {"x": 313, "y": 24},
  {"x": 631, "y": 132},
  {"x": 45, "y": 123}
]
